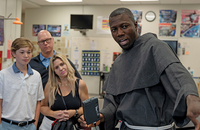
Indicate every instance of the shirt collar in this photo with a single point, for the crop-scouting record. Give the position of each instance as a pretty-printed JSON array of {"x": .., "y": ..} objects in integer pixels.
[
  {"x": 16, "y": 70},
  {"x": 42, "y": 57}
]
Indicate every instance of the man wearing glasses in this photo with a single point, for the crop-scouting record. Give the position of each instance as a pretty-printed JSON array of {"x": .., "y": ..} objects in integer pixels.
[{"x": 41, "y": 61}]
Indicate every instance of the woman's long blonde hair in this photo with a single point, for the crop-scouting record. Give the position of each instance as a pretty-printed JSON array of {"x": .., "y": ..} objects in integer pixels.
[{"x": 54, "y": 78}]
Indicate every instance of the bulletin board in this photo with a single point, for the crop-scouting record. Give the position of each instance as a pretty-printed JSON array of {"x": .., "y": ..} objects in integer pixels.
[
  {"x": 90, "y": 62},
  {"x": 189, "y": 57},
  {"x": 106, "y": 47}
]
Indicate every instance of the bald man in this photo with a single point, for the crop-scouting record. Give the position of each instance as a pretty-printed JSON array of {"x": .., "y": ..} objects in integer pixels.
[{"x": 41, "y": 61}]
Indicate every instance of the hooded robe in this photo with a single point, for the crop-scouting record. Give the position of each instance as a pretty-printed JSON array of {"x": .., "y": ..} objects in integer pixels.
[{"x": 147, "y": 86}]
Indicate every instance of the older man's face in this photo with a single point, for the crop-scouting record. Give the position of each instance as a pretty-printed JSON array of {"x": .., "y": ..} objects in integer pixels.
[{"x": 45, "y": 42}]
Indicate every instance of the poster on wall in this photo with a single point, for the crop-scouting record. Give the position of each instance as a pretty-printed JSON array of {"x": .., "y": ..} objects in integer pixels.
[
  {"x": 137, "y": 15},
  {"x": 93, "y": 45},
  {"x": 37, "y": 28},
  {"x": 1, "y": 30},
  {"x": 139, "y": 29},
  {"x": 189, "y": 30},
  {"x": 9, "y": 43},
  {"x": 1, "y": 59},
  {"x": 106, "y": 55},
  {"x": 190, "y": 16},
  {"x": 76, "y": 64},
  {"x": 90, "y": 62},
  {"x": 65, "y": 30},
  {"x": 55, "y": 30},
  {"x": 103, "y": 25},
  {"x": 167, "y": 29},
  {"x": 115, "y": 55},
  {"x": 168, "y": 16}
]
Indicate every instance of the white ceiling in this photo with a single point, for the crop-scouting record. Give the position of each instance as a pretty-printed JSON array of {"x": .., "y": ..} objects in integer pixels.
[{"x": 40, "y": 3}]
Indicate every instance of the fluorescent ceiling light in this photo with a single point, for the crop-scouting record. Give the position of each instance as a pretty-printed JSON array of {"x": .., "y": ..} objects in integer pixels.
[
  {"x": 64, "y": 0},
  {"x": 139, "y": 0}
]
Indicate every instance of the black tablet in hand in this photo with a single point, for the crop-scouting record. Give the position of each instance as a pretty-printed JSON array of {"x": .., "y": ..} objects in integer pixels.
[{"x": 91, "y": 110}]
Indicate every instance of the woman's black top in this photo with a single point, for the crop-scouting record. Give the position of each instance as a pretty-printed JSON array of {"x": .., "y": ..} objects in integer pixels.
[{"x": 71, "y": 102}]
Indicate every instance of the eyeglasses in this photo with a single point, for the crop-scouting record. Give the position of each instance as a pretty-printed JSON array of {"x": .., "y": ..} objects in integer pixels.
[{"x": 43, "y": 41}]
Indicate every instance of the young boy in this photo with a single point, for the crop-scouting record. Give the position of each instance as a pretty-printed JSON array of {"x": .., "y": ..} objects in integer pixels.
[{"x": 20, "y": 90}]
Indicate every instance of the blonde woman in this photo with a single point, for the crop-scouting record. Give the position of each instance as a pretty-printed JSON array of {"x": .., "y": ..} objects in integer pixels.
[{"x": 74, "y": 91}]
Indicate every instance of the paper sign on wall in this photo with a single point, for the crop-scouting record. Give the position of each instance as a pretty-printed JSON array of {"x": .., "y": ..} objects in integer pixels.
[{"x": 1, "y": 60}]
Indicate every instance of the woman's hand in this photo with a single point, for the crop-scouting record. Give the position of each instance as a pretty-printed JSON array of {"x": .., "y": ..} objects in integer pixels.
[
  {"x": 71, "y": 112},
  {"x": 61, "y": 115}
]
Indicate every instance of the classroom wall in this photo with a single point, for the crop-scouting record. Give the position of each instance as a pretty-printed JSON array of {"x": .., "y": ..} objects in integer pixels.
[
  {"x": 59, "y": 15},
  {"x": 11, "y": 31}
]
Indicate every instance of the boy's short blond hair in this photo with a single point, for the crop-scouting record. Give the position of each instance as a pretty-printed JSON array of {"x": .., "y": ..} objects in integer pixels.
[{"x": 21, "y": 43}]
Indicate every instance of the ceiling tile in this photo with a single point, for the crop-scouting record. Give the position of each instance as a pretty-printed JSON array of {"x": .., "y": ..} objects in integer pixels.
[
  {"x": 30, "y": 5},
  {"x": 95, "y": 2},
  {"x": 130, "y": 2},
  {"x": 114, "y": 2},
  {"x": 190, "y": 1},
  {"x": 170, "y": 1},
  {"x": 150, "y": 2},
  {"x": 38, "y": 3},
  {"x": 44, "y": 2}
]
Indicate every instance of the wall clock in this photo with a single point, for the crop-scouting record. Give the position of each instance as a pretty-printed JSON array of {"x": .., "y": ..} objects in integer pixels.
[{"x": 150, "y": 16}]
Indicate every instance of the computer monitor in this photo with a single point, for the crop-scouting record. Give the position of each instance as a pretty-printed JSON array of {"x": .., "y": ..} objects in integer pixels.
[
  {"x": 79, "y": 21},
  {"x": 173, "y": 44}
]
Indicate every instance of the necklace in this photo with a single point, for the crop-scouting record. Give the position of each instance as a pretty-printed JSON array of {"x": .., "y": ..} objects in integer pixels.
[{"x": 63, "y": 84}]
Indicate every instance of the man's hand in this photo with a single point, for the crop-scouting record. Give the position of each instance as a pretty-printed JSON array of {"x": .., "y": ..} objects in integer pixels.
[
  {"x": 83, "y": 123},
  {"x": 193, "y": 109}
]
